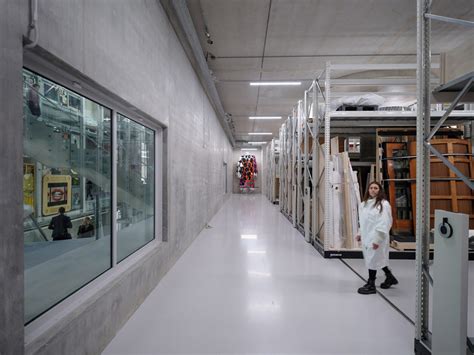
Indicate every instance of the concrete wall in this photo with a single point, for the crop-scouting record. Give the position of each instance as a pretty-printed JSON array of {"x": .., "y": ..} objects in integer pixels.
[
  {"x": 130, "y": 48},
  {"x": 11, "y": 181},
  {"x": 235, "y": 180}
]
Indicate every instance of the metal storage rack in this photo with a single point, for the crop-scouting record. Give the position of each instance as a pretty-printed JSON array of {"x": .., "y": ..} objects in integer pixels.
[
  {"x": 343, "y": 121},
  {"x": 265, "y": 170},
  {"x": 272, "y": 156},
  {"x": 454, "y": 92},
  {"x": 305, "y": 170},
  {"x": 286, "y": 172}
]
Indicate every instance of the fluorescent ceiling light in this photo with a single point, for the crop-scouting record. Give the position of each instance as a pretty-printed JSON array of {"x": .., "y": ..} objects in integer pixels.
[
  {"x": 249, "y": 149},
  {"x": 257, "y": 143},
  {"x": 265, "y": 117},
  {"x": 256, "y": 252},
  {"x": 258, "y": 273},
  {"x": 248, "y": 236},
  {"x": 260, "y": 133},
  {"x": 275, "y": 83},
  {"x": 262, "y": 307}
]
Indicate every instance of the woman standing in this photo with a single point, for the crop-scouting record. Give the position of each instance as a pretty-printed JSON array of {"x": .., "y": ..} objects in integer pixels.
[{"x": 375, "y": 219}]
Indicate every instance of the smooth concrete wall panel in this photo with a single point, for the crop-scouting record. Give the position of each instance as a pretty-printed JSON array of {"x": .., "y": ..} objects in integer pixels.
[
  {"x": 103, "y": 38},
  {"x": 61, "y": 30},
  {"x": 219, "y": 153},
  {"x": 129, "y": 48},
  {"x": 11, "y": 181}
]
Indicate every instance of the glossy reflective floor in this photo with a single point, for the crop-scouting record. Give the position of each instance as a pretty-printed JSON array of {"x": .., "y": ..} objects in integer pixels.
[
  {"x": 403, "y": 295},
  {"x": 251, "y": 284}
]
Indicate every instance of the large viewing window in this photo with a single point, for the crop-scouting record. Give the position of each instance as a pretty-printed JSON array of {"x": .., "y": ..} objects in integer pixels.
[
  {"x": 68, "y": 191},
  {"x": 135, "y": 186}
]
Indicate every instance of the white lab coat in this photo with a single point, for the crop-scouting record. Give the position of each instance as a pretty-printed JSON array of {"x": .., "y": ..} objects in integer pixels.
[{"x": 375, "y": 228}]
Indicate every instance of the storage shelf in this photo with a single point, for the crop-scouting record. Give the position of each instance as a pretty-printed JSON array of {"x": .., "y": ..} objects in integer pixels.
[
  {"x": 448, "y": 92},
  {"x": 392, "y": 118}
]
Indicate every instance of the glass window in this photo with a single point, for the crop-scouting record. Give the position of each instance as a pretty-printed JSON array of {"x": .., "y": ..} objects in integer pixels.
[
  {"x": 135, "y": 186},
  {"x": 66, "y": 185}
]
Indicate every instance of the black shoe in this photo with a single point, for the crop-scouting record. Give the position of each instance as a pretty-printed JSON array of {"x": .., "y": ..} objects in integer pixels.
[
  {"x": 368, "y": 288},
  {"x": 389, "y": 281}
]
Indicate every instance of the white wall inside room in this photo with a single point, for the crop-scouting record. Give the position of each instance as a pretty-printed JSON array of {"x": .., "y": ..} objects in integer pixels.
[{"x": 235, "y": 160}]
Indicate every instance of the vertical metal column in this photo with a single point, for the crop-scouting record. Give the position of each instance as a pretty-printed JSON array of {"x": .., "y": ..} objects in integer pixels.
[
  {"x": 306, "y": 189},
  {"x": 279, "y": 169},
  {"x": 282, "y": 168},
  {"x": 327, "y": 157},
  {"x": 422, "y": 171},
  {"x": 293, "y": 167},
  {"x": 315, "y": 164},
  {"x": 289, "y": 174},
  {"x": 299, "y": 167}
]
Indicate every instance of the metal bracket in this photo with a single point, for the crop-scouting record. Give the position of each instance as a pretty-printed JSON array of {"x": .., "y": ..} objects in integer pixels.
[{"x": 450, "y": 20}]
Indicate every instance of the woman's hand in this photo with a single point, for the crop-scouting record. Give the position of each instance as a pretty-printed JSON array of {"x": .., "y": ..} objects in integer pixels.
[
  {"x": 358, "y": 237},
  {"x": 375, "y": 246}
]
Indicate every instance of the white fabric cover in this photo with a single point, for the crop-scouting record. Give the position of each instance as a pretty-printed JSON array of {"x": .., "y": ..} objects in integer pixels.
[
  {"x": 364, "y": 100},
  {"x": 375, "y": 228}
]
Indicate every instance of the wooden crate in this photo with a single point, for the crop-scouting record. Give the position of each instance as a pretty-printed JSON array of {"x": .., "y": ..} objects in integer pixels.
[{"x": 450, "y": 195}]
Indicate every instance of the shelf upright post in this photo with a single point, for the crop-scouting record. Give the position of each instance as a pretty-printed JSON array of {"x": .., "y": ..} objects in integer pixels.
[
  {"x": 283, "y": 171},
  {"x": 299, "y": 165},
  {"x": 268, "y": 172},
  {"x": 280, "y": 168},
  {"x": 272, "y": 171},
  {"x": 289, "y": 173},
  {"x": 328, "y": 214},
  {"x": 294, "y": 156},
  {"x": 282, "y": 164},
  {"x": 306, "y": 190},
  {"x": 316, "y": 172},
  {"x": 284, "y": 168},
  {"x": 422, "y": 173}
]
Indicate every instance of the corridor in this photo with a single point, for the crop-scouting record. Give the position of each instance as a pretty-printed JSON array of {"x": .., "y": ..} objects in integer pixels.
[{"x": 251, "y": 284}]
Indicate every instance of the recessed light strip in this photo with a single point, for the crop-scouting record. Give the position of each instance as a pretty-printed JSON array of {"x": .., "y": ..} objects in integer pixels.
[
  {"x": 275, "y": 83},
  {"x": 265, "y": 117},
  {"x": 248, "y": 236},
  {"x": 260, "y": 133},
  {"x": 246, "y": 149}
]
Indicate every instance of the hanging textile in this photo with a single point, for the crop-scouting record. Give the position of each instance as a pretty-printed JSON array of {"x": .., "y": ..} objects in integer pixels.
[{"x": 247, "y": 171}]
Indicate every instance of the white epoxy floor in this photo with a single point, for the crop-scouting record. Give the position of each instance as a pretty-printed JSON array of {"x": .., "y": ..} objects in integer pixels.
[
  {"x": 230, "y": 293},
  {"x": 403, "y": 295}
]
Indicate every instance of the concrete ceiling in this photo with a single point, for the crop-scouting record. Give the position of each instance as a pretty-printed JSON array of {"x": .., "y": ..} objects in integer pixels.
[{"x": 292, "y": 40}]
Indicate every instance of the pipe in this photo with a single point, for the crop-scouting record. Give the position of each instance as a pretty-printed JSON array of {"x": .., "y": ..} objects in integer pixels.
[{"x": 32, "y": 26}]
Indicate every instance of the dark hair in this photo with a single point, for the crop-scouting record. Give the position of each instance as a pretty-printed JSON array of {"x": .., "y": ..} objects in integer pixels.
[
  {"x": 61, "y": 210},
  {"x": 379, "y": 198}
]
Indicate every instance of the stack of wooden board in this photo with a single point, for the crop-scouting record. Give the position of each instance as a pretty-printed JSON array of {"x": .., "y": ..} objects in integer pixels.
[{"x": 344, "y": 203}]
